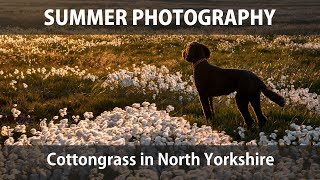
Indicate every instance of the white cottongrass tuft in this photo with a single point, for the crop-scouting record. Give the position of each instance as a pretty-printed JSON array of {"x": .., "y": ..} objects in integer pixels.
[{"x": 117, "y": 127}]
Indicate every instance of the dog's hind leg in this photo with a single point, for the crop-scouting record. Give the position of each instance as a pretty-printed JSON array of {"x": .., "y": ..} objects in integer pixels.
[
  {"x": 206, "y": 107},
  {"x": 255, "y": 102},
  {"x": 211, "y": 106},
  {"x": 242, "y": 103}
]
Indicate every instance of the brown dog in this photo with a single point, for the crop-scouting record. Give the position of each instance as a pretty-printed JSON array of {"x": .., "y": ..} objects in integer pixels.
[{"x": 213, "y": 81}]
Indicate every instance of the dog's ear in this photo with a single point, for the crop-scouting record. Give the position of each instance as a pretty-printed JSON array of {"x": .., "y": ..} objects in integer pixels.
[{"x": 206, "y": 51}]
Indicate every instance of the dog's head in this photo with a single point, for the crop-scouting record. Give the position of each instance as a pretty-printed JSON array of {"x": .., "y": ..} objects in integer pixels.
[{"x": 195, "y": 51}]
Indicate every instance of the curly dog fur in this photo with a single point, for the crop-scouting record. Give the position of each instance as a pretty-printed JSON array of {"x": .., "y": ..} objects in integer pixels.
[{"x": 213, "y": 81}]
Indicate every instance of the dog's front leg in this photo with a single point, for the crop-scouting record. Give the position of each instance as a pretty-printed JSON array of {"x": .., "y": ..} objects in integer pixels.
[{"x": 206, "y": 107}]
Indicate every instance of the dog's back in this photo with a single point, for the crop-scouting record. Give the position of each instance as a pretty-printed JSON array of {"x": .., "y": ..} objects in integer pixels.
[{"x": 218, "y": 81}]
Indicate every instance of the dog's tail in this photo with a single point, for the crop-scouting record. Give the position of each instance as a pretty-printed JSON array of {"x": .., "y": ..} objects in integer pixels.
[{"x": 275, "y": 97}]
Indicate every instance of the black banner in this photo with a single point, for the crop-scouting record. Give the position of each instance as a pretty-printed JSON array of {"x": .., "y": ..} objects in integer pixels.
[
  {"x": 30, "y": 17},
  {"x": 154, "y": 162}
]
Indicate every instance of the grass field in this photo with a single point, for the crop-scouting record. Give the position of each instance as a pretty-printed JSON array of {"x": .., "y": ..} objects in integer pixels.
[{"x": 42, "y": 74}]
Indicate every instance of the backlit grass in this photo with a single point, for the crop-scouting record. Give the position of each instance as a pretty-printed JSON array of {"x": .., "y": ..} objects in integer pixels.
[{"x": 297, "y": 57}]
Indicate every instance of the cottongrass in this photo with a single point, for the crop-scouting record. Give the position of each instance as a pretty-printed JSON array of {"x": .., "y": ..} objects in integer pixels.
[
  {"x": 156, "y": 80},
  {"x": 143, "y": 124},
  {"x": 301, "y": 135},
  {"x": 139, "y": 124},
  {"x": 151, "y": 78}
]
